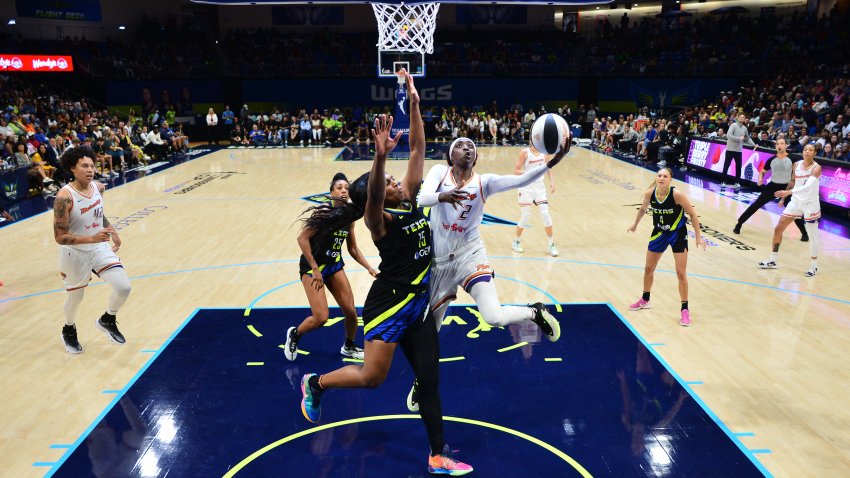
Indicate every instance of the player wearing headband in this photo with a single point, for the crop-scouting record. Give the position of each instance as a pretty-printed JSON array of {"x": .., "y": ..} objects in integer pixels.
[{"x": 457, "y": 195}]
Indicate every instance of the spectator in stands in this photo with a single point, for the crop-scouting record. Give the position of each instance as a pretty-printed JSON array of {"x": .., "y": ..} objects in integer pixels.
[
  {"x": 38, "y": 159},
  {"x": 629, "y": 140},
  {"x": 36, "y": 175},
  {"x": 305, "y": 132},
  {"x": 113, "y": 149},
  {"x": 257, "y": 136},
  {"x": 517, "y": 134},
  {"x": 103, "y": 159},
  {"x": 154, "y": 145},
  {"x": 346, "y": 135}
]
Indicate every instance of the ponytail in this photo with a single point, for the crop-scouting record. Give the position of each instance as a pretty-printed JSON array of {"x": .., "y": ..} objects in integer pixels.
[{"x": 324, "y": 219}]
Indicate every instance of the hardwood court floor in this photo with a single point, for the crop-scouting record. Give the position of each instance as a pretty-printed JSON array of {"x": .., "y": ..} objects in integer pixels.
[{"x": 764, "y": 353}]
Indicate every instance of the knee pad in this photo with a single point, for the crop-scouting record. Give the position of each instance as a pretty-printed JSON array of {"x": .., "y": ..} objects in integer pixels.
[
  {"x": 525, "y": 216},
  {"x": 544, "y": 213}
]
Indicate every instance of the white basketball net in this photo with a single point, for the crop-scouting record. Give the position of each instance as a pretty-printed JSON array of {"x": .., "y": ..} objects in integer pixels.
[{"x": 406, "y": 27}]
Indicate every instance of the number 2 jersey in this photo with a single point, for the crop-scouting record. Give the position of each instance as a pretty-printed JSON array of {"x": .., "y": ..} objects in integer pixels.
[{"x": 455, "y": 227}]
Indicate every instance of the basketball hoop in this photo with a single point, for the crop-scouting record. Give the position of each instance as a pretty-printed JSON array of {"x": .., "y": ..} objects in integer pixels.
[{"x": 406, "y": 28}]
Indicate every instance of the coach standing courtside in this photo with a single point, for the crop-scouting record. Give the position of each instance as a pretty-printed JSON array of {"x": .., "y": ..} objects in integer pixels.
[
  {"x": 212, "y": 127},
  {"x": 736, "y": 137}
]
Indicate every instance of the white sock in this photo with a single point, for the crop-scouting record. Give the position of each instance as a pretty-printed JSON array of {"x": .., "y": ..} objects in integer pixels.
[
  {"x": 814, "y": 264},
  {"x": 117, "y": 278},
  {"x": 774, "y": 256},
  {"x": 814, "y": 240},
  {"x": 551, "y": 241},
  {"x": 492, "y": 311},
  {"x": 72, "y": 303}
]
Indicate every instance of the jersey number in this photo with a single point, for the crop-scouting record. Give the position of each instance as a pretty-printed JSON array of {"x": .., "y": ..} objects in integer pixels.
[{"x": 465, "y": 213}]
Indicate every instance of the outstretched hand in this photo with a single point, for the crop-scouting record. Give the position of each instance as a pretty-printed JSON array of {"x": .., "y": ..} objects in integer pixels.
[
  {"x": 565, "y": 148},
  {"x": 412, "y": 93},
  {"x": 381, "y": 134},
  {"x": 560, "y": 154}
]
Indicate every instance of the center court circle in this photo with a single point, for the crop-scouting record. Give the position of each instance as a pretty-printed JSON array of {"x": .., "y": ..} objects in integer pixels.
[{"x": 253, "y": 456}]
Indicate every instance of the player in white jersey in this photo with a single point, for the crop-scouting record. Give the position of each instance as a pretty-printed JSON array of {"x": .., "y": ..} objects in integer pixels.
[
  {"x": 534, "y": 195},
  {"x": 804, "y": 190},
  {"x": 456, "y": 195},
  {"x": 83, "y": 232}
]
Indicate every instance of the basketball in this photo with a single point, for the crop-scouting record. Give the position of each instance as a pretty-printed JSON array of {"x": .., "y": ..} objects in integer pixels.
[{"x": 549, "y": 132}]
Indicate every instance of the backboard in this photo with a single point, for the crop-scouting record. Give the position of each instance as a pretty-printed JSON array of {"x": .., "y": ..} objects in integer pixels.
[{"x": 390, "y": 62}]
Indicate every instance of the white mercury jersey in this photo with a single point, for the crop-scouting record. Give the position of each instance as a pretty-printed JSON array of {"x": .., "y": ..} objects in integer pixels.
[
  {"x": 452, "y": 229},
  {"x": 533, "y": 161},
  {"x": 803, "y": 175},
  {"x": 86, "y": 217}
]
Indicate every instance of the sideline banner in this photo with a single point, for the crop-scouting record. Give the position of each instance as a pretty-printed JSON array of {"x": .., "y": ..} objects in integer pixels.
[
  {"x": 834, "y": 180},
  {"x": 15, "y": 62}
]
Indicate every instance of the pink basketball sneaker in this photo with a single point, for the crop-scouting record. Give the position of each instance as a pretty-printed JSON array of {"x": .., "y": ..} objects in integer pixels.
[
  {"x": 686, "y": 318},
  {"x": 446, "y": 464},
  {"x": 640, "y": 304}
]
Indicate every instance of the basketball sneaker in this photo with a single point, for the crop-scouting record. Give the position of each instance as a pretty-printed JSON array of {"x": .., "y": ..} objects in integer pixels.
[
  {"x": 811, "y": 272},
  {"x": 109, "y": 326},
  {"x": 413, "y": 398},
  {"x": 517, "y": 247},
  {"x": 69, "y": 338},
  {"x": 553, "y": 251},
  {"x": 446, "y": 464},
  {"x": 354, "y": 352},
  {"x": 737, "y": 185},
  {"x": 310, "y": 400},
  {"x": 686, "y": 318},
  {"x": 723, "y": 185},
  {"x": 640, "y": 304},
  {"x": 290, "y": 350},
  {"x": 768, "y": 264},
  {"x": 546, "y": 321}
]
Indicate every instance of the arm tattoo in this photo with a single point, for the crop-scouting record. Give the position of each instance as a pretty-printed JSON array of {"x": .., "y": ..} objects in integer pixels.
[{"x": 61, "y": 224}]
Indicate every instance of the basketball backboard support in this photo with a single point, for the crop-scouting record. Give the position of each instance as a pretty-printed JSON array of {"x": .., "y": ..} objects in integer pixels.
[{"x": 390, "y": 62}]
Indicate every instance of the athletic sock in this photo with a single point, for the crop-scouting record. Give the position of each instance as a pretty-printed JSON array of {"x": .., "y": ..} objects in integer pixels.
[
  {"x": 349, "y": 343},
  {"x": 551, "y": 241},
  {"x": 774, "y": 256},
  {"x": 314, "y": 382},
  {"x": 684, "y": 305},
  {"x": 645, "y": 296}
]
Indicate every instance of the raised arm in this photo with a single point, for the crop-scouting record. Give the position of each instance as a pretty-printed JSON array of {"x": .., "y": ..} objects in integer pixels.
[
  {"x": 493, "y": 183},
  {"x": 428, "y": 195},
  {"x": 377, "y": 188},
  {"x": 416, "y": 163}
]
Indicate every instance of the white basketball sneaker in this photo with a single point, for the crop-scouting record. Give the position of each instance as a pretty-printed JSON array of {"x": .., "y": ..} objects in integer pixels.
[
  {"x": 517, "y": 247},
  {"x": 553, "y": 251}
]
